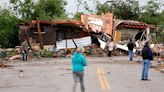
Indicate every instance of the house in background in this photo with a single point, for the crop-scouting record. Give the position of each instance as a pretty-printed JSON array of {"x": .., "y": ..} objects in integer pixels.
[
  {"x": 126, "y": 29},
  {"x": 52, "y": 32},
  {"x": 70, "y": 33},
  {"x": 119, "y": 30}
]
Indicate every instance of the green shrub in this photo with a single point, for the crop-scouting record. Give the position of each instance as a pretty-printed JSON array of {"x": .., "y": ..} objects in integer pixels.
[
  {"x": 46, "y": 53},
  {"x": 2, "y": 54}
]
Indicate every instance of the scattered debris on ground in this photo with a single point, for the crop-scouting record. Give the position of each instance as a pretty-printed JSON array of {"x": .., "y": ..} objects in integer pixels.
[
  {"x": 2, "y": 65},
  {"x": 92, "y": 50},
  {"x": 15, "y": 57}
]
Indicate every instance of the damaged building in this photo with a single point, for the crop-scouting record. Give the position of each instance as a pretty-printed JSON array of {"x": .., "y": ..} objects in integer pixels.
[
  {"x": 108, "y": 28},
  {"x": 119, "y": 30},
  {"x": 72, "y": 33},
  {"x": 125, "y": 29},
  {"x": 57, "y": 33}
]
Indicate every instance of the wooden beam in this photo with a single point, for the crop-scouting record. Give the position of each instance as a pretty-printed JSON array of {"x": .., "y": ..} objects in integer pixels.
[{"x": 39, "y": 34}]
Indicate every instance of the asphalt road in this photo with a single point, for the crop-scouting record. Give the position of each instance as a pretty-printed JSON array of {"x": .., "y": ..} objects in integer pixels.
[{"x": 102, "y": 74}]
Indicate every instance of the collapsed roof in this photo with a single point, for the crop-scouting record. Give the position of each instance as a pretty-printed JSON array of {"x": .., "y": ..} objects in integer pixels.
[
  {"x": 54, "y": 23},
  {"x": 131, "y": 24}
]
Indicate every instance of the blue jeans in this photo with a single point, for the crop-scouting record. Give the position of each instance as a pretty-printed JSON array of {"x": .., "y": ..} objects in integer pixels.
[
  {"x": 146, "y": 65},
  {"x": 131, "y": 55},
  {"x": 25, "y": 55}
]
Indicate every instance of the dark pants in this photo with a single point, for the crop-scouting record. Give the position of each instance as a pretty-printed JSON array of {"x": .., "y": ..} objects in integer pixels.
[
  {"x": 78, "y": 76},
  {"x": 25, "y": 55},
  {"x": 110, "y": 53}
]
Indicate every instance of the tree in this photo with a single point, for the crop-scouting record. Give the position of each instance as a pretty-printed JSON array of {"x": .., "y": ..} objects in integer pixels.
[
  {"x": 152, "y": 7},
  {"x": 151, "y": 13},
  {"x": 160, "y": 28},
  {"x": 23, "y": 8},
  {"x": 78, "y": 15},
  {"x": 83, "y": 4},
  {"x": 161, "y": 18},
  {"x": 49, "y": 9},
  {"x": 79, "y": 2},
  {"x": 9, "y": 32},
  {"x": 127, "y": 10},
  {"x": 103, "y": 8}
]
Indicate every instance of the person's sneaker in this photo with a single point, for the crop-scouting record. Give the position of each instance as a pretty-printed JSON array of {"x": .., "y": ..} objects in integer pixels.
[{"x": 145, "y": 79}]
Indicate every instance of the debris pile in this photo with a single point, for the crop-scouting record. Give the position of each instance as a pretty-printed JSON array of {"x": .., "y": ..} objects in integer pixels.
[
  {"x": 161, "y": 59},
  {"x": 13, "y": 53},
  {"x": 158, "y": 62},
  {"x": 92, "y": 50},
  {"x": 2, "y": 65}
]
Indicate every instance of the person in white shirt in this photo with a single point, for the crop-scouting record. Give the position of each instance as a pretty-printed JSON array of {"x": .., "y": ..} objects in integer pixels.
[{"x": 110, "y": 48}]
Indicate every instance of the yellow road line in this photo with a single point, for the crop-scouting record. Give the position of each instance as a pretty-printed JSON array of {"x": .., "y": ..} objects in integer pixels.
[
  {"x": 100, "y": 78},
  {"x": 105, "y": 79}
]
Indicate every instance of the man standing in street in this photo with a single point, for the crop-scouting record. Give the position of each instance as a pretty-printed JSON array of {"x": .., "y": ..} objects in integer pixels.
[
  {"x": 25, "y": 50},
  {"x": 130, "y": 48},
  {"x": 147, "y": 57}
]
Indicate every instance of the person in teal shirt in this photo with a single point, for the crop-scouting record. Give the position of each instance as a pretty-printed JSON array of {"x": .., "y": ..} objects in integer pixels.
[{"x": 78, "y": 64}]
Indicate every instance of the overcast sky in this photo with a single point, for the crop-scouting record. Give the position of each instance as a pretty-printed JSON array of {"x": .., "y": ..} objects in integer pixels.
[{"x": 71, "y": 6}]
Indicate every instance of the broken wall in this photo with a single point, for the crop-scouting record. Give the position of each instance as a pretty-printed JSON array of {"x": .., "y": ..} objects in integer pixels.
[
  {"x": 48, "y": 35},
  {"x": 97, "y": 24},
  {"x": 52, "y": 34},
  {"x": 128, "y": 33},
  {"x": 108, "y": 23}
]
